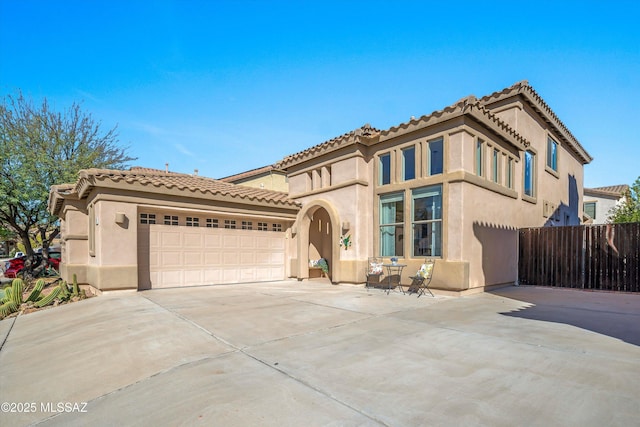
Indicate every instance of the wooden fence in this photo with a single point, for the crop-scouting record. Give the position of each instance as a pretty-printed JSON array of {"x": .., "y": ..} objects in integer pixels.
[{"x": 602, "y": 257}]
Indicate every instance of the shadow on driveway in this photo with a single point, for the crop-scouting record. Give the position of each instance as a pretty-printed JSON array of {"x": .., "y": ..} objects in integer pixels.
[{"x": 613, "y": 314}]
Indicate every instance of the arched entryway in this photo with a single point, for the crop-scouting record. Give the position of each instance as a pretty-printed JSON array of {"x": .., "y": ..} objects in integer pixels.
[{"x": 319, "y": 238}]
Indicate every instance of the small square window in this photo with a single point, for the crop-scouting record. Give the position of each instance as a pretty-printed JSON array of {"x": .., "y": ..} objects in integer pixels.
[
  {"x": 230, "y": 223},
  {"x": 193, "y": 222},
  {"x": 147, "y": 218},
  {"x": 247, "y": 225},
  {"x": 263, "y": 226},
  {"x": 212, "y": 223},
  {"x": 170, "y": 220},
  {"x": 276, "y": 227}
]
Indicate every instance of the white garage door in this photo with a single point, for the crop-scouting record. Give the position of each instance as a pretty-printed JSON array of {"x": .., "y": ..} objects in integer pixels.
[{"x": 191, "y": 256}]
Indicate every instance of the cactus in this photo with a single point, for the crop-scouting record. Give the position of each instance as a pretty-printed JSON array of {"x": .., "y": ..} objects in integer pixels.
[
  {"x": 76, "y": 288},
  {"x": 64, "y": 290},
  {"x": 35, "y": 293},
  {"x": 16, "y": 289},
  {"x": 8, "y": 295},
  {"x": 49, "y": 298},
  {"x": 7, "y": 308}
]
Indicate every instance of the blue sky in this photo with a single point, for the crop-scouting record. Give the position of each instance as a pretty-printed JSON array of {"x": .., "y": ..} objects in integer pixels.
[{"x": 228, "y": 86}]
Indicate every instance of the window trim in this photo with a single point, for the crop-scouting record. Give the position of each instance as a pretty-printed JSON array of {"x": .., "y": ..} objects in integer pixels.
[
  {"x": 401, "y": 223},
  {"x": 405, "y": 166},
  {"x": 381, "y": 168},
  {"x": 533, "y": 176},
  {"x": 595, "y": 208},
  {"x": 417, "y": 193},
  {"x": 479, "y": 157},
  {"x": 552, "y": 156},
  {"x": 430, "y": 156}
]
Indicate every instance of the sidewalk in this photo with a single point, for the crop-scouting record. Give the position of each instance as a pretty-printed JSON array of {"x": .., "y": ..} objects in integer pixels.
[{"x": 309, "y": 353}]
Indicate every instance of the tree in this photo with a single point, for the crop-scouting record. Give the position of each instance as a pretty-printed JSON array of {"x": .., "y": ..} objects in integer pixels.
[
  {"x": 629, "y": 209},
  {"x": 40, "y": 147}
]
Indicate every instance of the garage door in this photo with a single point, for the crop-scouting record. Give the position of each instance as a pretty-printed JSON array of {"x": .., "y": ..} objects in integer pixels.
[{"x": 192, "y": 256}]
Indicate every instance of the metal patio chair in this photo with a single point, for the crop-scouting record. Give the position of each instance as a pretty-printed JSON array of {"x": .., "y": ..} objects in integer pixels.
[{"x": 422, "y": 279}]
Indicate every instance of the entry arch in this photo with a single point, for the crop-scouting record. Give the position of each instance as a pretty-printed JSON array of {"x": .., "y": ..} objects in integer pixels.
[{"x": 305, "y": 222}]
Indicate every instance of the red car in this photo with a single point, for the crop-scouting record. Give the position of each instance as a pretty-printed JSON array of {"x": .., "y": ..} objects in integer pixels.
[{"x": 14, "y": 266}]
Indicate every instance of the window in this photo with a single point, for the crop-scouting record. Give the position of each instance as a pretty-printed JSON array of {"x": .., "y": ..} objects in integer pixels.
[
  {"x": 276, "y": 227},
  {"x": 495, "y": 166},
  {"x": 529, "y": 173},
  {"x": 230, "y": 223},
  {"x": 385, "y": 169},
  {"x": 247, "y": 225},
  {"x": 263, "y": 226},
  {"x": 193, "y": 222},
  {"x": 147, "y": 218},
  {"x": 436, "y": 158},
  {"x": 509, "y": 182},
  {"x": 212, "y": 223},
  {"x": 170, "y": 220},
  {"x": 552, "y": 154},
  {"x": 480, "y": 157},
  {"x": 590, "y": 209},
  {"x": 391, "y": 224},
  {"x": 427, "y": 221},
  {"x": 409, "y": 163}
]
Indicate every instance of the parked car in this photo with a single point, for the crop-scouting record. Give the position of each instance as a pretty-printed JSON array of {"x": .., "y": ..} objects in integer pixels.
[{"x": 14, "y": 267}]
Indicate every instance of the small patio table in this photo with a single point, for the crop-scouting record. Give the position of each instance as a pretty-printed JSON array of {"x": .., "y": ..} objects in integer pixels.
[{"x": 394, "y": 269}]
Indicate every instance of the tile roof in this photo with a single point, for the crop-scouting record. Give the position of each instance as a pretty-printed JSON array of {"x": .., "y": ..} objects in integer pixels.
[
  {"x": 156, "y": 180},
  {"x": 365, "y": 135},
  {"x": 539, "y": 105},
  {"x": 468, "y": 105},
  {"x": 250, "y": 173},
  {"x": 612, "y": 191}
]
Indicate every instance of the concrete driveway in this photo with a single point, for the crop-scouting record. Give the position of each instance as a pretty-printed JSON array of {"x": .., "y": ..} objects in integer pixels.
[{"x": 312, "y": 354}]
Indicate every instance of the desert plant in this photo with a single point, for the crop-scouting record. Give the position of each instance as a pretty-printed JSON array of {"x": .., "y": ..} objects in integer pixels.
[
  {"x": 7, "y": 308},
  {"x": 49, "y": 298},
  {"x": 35, "y": 293},
  {"x": 17, "y": 286},
  {"x": 76, "y": 288}
]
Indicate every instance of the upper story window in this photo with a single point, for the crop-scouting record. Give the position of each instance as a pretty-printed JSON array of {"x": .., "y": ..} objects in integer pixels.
[
  {"x": 193, "y": 222},
  {"x": 509, "y": 173},
  {"x": 392, "y": 224},
  {"x": 495, "y": 166},
  {"x": 409, "y": 163},
  {"x": 170, "y": 220},
  {"x": 385, "y": 169},
  {"x": 427, "y": 221},
  {"x": 436, "y": 157},
  {"x": 590, "y": 209},
  {"x": 480, "y": 157},
  {"x": 147, "y": 218},
  {"x": 552, "y": 154},
  {"x": 529, "y": 173}
]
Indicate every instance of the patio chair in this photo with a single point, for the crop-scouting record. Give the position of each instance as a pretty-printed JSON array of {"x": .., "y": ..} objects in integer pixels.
[
  {"x": 374, "y": 272},
  {"x": 420, "y": 282}
]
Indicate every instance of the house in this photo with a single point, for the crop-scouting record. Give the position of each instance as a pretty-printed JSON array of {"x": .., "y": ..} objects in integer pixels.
[
  {"x": 454, "y": 185},
  {"x": 598, "y": 202}
]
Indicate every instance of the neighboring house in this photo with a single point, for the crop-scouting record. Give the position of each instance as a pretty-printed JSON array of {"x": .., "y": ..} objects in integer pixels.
[
  {"x": 598, "y": 202},
  {"x": 267, "y": 178},
  {"x": 454, "y": 185}
]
